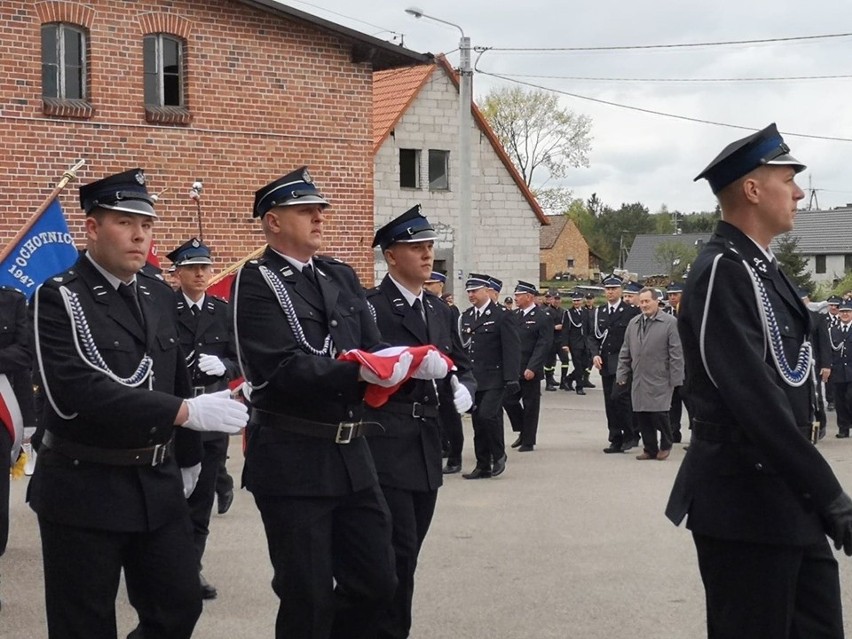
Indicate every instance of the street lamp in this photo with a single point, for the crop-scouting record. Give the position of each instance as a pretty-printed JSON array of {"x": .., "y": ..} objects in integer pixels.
[{"x": 465, "y": 100}]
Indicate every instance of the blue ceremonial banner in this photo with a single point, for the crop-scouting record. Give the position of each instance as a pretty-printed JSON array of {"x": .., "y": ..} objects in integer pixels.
[{"x": 46, "y": 249}]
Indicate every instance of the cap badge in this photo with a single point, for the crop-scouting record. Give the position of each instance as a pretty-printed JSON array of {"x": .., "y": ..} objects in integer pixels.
[
  {"x": 195, "y": 243},
  {"x": 306, "y": 177},
  {"x": 140, "y": 178}
]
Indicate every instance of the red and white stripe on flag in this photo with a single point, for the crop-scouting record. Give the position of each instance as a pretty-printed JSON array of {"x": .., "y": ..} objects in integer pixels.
[{"x": 10, "y": 415}]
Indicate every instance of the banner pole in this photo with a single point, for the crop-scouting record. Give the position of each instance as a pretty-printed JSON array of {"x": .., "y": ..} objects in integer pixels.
[{"x": 68, "y": 176}]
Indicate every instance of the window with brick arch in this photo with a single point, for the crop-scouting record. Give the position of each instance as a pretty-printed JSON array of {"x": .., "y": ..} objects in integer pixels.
[
  {"x": 164, "y": 81},
  {"x": 63, "y": 61}
]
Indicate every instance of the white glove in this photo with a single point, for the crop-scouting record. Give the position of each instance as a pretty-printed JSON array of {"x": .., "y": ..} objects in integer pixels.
[
  {"x": 216, "y": 412},
  {"x": 400, "y": 370},
  {"x": 433, "y": 366},
  {"x": 211, "y": 365},
  {"x": 190, "y": 478},
  {"x": 461, "y": 396}
]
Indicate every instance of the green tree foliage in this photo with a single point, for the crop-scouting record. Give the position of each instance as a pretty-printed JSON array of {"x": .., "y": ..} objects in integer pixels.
[
  {"x": 793, "y": 263},
  {"x": 537, "y": 133},
  {"x": 615, "y": 230},
  {"x": 673, "y": 257}
]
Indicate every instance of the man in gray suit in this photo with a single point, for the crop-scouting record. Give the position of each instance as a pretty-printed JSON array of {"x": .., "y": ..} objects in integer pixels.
[{"x": 652, "y": 357}]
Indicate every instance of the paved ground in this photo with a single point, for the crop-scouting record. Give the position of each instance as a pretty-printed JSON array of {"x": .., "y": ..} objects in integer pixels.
[{"x": 568, "y": 543}]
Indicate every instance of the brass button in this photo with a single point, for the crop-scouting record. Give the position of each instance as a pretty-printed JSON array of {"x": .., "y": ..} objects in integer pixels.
[{"x": 333, "y": 323}]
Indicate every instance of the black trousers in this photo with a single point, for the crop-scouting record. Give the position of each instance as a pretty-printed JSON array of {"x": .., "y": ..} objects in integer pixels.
[
  {"x": 5, "y": 466},
  {"x": 580, "y": 358},
  {"x": 488, "y": 439},
  {"x": 763, "y": 591},
  {"x": 224, "y": 481},
  {"x": 411, "y": 514},
  {"x": 82, "y": 570},
  {"x": 333, "y": 563},
  {"x": 201, "y": 500},
  {"x": 523, "y": 410},
  {"x": 651, "y": 422},
  {"x": 619, "y": 414},
  {"x": 451, "y": 428},
  {"x": 843, "y": 405}
]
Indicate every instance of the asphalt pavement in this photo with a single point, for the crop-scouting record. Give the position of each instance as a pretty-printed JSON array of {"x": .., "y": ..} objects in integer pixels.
[{"x": 569, "y": 543}]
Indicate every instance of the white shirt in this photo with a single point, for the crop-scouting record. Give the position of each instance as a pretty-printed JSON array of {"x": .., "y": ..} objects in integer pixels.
[{"x": 114, "y": 281}]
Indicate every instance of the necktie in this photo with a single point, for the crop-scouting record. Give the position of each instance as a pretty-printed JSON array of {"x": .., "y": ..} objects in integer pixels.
[
  {"x": 128, "y": 294},
  {"x": 308, "y": 272},
  {"x": 418, "y": 306},
  {"x": 195, "y": 310}
]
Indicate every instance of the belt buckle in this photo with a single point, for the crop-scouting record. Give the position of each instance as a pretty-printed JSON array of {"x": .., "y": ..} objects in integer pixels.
[
  {"x": 159, "y": 455},
  {"x": 197, "y": 390},
  {"x": 417, "y": 410},
  {"x": 345, "y": 430}
]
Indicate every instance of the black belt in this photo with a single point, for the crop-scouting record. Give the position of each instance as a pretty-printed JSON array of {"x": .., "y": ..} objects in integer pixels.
[
  {"x": 713, "y": 432},
  {"x": 203, "y": 390},
  {"x": 153, "y": 456},
  {"x": 340, "y": 433},
  {"x": 412, "y": 409}
]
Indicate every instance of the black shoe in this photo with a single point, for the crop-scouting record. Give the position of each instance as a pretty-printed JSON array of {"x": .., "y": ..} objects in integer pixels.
[
  {"x": 225, "y": 500},
  {"x": 499, "y": 466},
  {"x": 478, "y": 473},
  {"x": 517, "y": 442},
  {"x": 451, "y": 469},
  {"x": 526, "y": 449},
  {"x": 567, "y": 386},
  {"x": 677, "y": 437},
  {"x": 630, "y": 443},
  {"x": 613, "y": 448},
  {"x": 588, "y": 384},
  {"x": 580, "y": 390},
  {"x": 551, "y": 387},
  {"x": 843, "y": 434},
  {"x": 207, "y": 591}
]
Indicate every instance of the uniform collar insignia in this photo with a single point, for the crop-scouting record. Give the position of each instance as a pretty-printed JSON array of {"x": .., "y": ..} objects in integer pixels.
[{"x": 760, "y": 264}]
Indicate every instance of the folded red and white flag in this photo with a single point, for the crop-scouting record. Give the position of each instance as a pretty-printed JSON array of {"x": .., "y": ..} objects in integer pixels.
[
  {"x": 381, "y": 363},
  {"x": 10, "y": 415}
]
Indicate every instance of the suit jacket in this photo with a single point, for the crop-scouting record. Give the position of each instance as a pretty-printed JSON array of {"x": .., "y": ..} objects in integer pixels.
[
  {"x": 290, "y": 380},
  {"x": 611, "y": 328},
  {"x": 574, "y": 335},
  {"x": 493, "y": 346},
  {"x": 16, "y": 350},
  {"x": 652, "y": 362},
  {"x": 408, "y": 454},
  {"x": 101, "y": 412},
  {"x": 536, "y": 340},
  {"x": 768, "y": 483}
]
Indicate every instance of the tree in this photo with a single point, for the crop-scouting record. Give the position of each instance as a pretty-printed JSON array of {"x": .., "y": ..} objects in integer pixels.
[
  {"x": 616, "y": 229},
  {"x": 673, "y": 257},
  {"x": 537, "y": 133},
  {"x": 792, "y": 263}
]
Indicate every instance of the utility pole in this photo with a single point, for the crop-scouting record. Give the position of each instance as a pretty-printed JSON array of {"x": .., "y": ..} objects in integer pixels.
[{"x": 813, "y": 195}]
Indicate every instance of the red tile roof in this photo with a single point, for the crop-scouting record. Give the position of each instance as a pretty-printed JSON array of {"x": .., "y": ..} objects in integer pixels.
[{"x": 395, "y": 89}]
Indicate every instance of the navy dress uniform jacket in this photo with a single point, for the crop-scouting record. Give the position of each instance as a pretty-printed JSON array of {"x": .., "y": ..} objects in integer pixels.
[
  {"x": 840, "y": 361},
  {"x": 493, "y": 345},
  {"x": 209, "y": 333},
  {"x": 612, "y": 327},
  {"x": 288, "y": 380},
  {"x": 108, "y": 414},
  {"x": 767, "y": 483},
  {"x": 535, "y": 332},
  {"x": 408, "y": 453}
]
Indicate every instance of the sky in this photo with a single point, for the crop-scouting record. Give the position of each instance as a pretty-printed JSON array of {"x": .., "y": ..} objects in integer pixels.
[{"x": 637, "y": 156}]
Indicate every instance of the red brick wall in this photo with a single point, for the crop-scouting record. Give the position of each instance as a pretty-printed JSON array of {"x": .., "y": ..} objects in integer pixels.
[
  {"x": 570, "y": 243},
  {"x": 266, "y": 96}
]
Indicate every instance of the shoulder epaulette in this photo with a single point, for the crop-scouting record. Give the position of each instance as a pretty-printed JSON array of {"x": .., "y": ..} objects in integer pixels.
[
  {"x": 61, "y": 279},
  {"x": 11, "y": 289}
]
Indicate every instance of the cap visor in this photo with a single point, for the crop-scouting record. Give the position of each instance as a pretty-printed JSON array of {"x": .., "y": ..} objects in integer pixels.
[
  {"x": 420, "y": 236},
  {"x": 195, "y": 260},
  {"x": 305, "y": 199},
  {"x": 139, "y": 207},
  {"x": 787, "y": 160}
]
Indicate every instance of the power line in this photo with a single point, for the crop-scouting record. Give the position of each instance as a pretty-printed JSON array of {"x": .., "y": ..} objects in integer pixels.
[
  {"x": 720, "y": 43},
  {"x": 659, "y": 113},
  {"x": 676, "y": 80},
  {"x": 343, "y": 15}
]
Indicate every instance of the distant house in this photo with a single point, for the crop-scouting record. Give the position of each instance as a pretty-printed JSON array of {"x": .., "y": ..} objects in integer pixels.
[
  {"x": 646, "y": 257},
  {"x": 825, "y": 239},
  {"x": 415, "y": 146},
  {"x": 564, "y": 252}
]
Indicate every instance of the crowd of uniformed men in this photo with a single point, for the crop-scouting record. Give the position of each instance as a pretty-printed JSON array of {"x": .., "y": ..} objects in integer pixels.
[{"x": 355, "y": 398}]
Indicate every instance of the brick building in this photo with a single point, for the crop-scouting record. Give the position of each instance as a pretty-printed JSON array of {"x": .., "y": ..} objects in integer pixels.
[
  {"x": 415, "y": 141},
  {"x": 564, "y": 250},
  {"x": 230, "y": 92}
]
